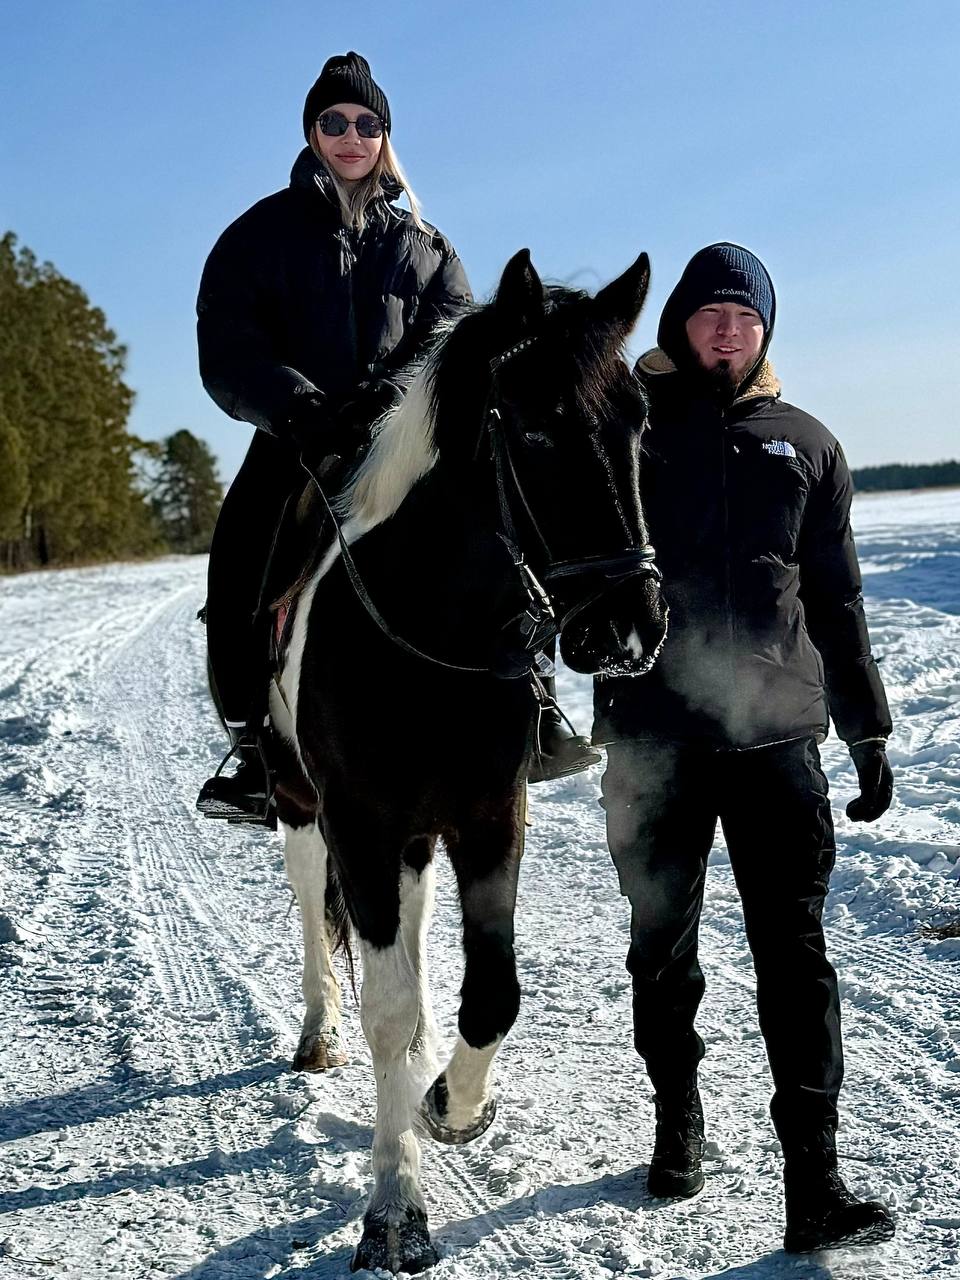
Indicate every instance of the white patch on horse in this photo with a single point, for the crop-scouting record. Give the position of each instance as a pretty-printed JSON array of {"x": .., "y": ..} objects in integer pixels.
[
  {"x": 305, "y": 858},
  {"x": 468, "y": 1082},
  {"x": 293, "y": 658},
  {"x": 389, "y": 1015},
  {"x": 634, "y": 644},
  {"x": 402, "y": 453},
  {"x": 416, "y": 910}
]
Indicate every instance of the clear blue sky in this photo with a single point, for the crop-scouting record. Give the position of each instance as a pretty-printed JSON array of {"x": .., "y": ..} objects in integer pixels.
[{"x": 822, "y": 135}]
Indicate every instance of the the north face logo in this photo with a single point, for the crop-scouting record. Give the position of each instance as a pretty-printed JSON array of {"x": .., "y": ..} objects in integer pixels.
[{"x": 782, "y": 448}]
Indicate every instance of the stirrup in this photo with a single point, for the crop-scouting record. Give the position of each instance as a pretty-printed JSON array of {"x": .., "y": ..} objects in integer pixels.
[
  {"x": 214, "y": 807},
  {"x": 580, "y": 756}
]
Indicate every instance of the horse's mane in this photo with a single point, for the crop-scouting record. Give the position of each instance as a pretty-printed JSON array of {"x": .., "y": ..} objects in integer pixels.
[
  {"x": 448, "y": 386},
  {"x": 403, "y": 449}
]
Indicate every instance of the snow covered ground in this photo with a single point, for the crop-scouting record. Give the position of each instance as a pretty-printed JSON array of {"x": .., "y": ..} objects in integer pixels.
[{"x": 149, "y": 1123}]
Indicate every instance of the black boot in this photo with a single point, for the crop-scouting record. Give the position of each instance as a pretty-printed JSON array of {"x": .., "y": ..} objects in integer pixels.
[
  {"x": 559, "y": 751},
  {"x": 245, "y": 794},
  {"x": 678, "y": 1149},
  {"x": 821, "y": 1212}
]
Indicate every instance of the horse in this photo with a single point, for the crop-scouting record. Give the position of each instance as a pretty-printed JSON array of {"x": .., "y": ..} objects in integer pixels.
[{"x": 497, "y": 508}]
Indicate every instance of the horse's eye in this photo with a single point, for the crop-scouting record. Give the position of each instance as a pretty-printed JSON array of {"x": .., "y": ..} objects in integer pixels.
[{"x": 537, "y": 439}]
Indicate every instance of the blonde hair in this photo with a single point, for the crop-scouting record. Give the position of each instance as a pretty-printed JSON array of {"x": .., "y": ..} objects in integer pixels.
[{"x": 356, "y": 198}]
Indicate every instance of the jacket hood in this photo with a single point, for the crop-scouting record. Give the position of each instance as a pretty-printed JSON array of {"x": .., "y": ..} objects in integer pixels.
[{"x": 763, "y": 382}]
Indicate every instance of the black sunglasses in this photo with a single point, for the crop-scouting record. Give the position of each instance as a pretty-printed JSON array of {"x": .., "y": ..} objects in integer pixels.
[{"x": 334, "y": 124}]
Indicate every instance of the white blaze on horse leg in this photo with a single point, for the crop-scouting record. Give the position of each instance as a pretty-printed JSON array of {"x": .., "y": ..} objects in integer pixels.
[
  {"x": 389, "y": 1011},
  {"x": 416, "y": 909},
  {"x": 305, "y": 858},
  {"x": 468, "y": 1076}
]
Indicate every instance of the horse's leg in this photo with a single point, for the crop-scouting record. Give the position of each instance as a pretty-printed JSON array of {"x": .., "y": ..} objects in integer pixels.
[
  {"x": 485, "y": 853},
  {"x": 417, "y": 881},
  {"x": 388, "y": 903},
  {"x": 321, "y": 1045}
]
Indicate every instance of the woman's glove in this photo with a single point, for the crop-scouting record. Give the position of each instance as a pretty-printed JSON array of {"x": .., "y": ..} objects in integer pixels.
[
  {"x": 875, "y": 777},
  {"x": 316, "y": 434},
  {"x": 366, "y": 405},
  {"x": 307, "y": 424}
]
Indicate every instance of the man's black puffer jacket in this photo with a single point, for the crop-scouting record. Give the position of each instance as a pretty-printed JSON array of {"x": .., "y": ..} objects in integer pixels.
[
  {"x": 749, "y": 510},
  {"x": 292, "y": 302}
]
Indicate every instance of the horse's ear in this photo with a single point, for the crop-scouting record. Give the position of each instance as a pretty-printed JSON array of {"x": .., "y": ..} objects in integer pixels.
[
  {"x": 619, "y": 303},
  {"x": 519, "y": 298}
]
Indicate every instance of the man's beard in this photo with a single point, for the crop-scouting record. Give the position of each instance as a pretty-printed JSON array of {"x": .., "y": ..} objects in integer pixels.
[{"x": 718, "y": 383}]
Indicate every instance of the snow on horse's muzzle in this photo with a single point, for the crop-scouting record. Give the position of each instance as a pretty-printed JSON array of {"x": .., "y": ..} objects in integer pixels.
[{"x": 615, "y": 622}]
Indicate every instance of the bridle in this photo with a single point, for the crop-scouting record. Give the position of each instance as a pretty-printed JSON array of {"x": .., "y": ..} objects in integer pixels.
[
  {"x": 536, "y": 624},
  {"x": 607, "y": 571}
]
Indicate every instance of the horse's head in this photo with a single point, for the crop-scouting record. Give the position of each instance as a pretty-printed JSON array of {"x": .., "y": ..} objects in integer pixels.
[{"x": 562, "y": 423}]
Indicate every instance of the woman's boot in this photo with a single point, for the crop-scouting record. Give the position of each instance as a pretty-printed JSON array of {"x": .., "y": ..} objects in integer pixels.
[
  {"x": 558, "y": 750},
  {"x": 245, "y": 794}
]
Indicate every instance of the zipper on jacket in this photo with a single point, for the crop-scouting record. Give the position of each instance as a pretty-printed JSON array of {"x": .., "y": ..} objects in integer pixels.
[
  {"x": 348, "y": 259},
  {"x": 727, "y": 556}
]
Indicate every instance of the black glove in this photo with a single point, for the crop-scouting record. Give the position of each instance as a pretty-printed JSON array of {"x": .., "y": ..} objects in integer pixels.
[
  {"x": 366, "y": 405},
  {"x": 308, "y": 422},
  {"x": 316, "y": 435},
  {"x": 876, "y": 780}
]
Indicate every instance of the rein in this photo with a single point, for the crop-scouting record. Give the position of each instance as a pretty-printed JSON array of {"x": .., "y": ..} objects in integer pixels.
[{"x": 538, "y": 623}]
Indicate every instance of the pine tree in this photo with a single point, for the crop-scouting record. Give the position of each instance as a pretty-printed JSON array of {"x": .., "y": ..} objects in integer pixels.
[
  {"x": 188, "y": 493},
  {"x": 71, "y": 493}
]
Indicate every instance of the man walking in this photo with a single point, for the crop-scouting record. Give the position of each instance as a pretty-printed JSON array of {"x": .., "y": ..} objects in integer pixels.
[{"x": 748, "y": 500}]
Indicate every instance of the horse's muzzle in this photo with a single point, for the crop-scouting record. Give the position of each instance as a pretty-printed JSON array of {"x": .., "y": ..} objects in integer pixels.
[{"x": 620, "y": 633}]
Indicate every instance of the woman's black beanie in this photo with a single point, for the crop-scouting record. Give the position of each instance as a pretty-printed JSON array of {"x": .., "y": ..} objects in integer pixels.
[{"x": 345, "y": 78}]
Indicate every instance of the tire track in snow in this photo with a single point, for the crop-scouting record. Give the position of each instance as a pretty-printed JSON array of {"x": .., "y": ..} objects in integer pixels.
[{"x": 201, "y": 1014}]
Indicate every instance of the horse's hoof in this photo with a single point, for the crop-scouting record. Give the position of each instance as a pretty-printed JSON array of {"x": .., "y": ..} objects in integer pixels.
[
  {"x": 434, "y": 1113},
  {"x": 405, "y": 1247},
  {"x": 320, "y": 1052}
]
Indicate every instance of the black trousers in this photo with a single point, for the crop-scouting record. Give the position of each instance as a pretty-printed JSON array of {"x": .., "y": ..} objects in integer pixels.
[
  {"x": 662, "y": 802},
  {"x": 238, "y": 591}
]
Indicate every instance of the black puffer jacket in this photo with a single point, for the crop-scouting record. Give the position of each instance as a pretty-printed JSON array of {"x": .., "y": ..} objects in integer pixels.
[
  {"x": 749, "y": 510},
  {"x": 291, "y": 301}
]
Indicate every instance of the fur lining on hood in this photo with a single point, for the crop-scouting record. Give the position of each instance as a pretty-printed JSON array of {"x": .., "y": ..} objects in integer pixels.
[{"x": 763, "y": 383}]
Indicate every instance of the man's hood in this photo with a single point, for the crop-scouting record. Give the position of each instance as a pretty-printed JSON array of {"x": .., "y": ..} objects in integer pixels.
[{"x": 763, "y": 382}]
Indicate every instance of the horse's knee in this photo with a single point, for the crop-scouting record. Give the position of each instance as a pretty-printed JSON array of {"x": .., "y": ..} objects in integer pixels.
[
  {"x": 390, "y": 999},
  {"x": 490, "y": 995},
  {"x": 305, "y": 857}
]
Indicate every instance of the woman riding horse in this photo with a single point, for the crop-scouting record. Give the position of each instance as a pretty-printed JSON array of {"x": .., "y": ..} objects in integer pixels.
[{"x": 308, "y": 305}]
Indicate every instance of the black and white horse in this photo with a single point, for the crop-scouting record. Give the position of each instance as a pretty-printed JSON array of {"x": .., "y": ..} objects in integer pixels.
[{"x": 498, "y": 505}]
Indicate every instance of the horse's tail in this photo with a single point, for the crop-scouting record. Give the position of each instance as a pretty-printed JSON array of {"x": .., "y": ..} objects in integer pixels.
[{"x": 339, "y": 928}]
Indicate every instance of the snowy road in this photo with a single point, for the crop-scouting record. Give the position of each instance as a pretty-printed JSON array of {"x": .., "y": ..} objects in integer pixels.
[{"x": 149, "y": 1124}]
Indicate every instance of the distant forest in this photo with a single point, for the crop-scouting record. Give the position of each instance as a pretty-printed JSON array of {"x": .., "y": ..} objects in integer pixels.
[
  {"x": 75, "y": 485},
  {"x": 906, "y": 475}
]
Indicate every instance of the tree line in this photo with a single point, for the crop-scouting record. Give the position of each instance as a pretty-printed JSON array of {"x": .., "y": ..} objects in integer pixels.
[
  {"x": 75, "y": 484},
  {"x": 906, "y": 475}
]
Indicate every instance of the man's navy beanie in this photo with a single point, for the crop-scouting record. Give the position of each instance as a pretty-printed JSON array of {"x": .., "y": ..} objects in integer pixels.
[{"x": 719, "y": 273}]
